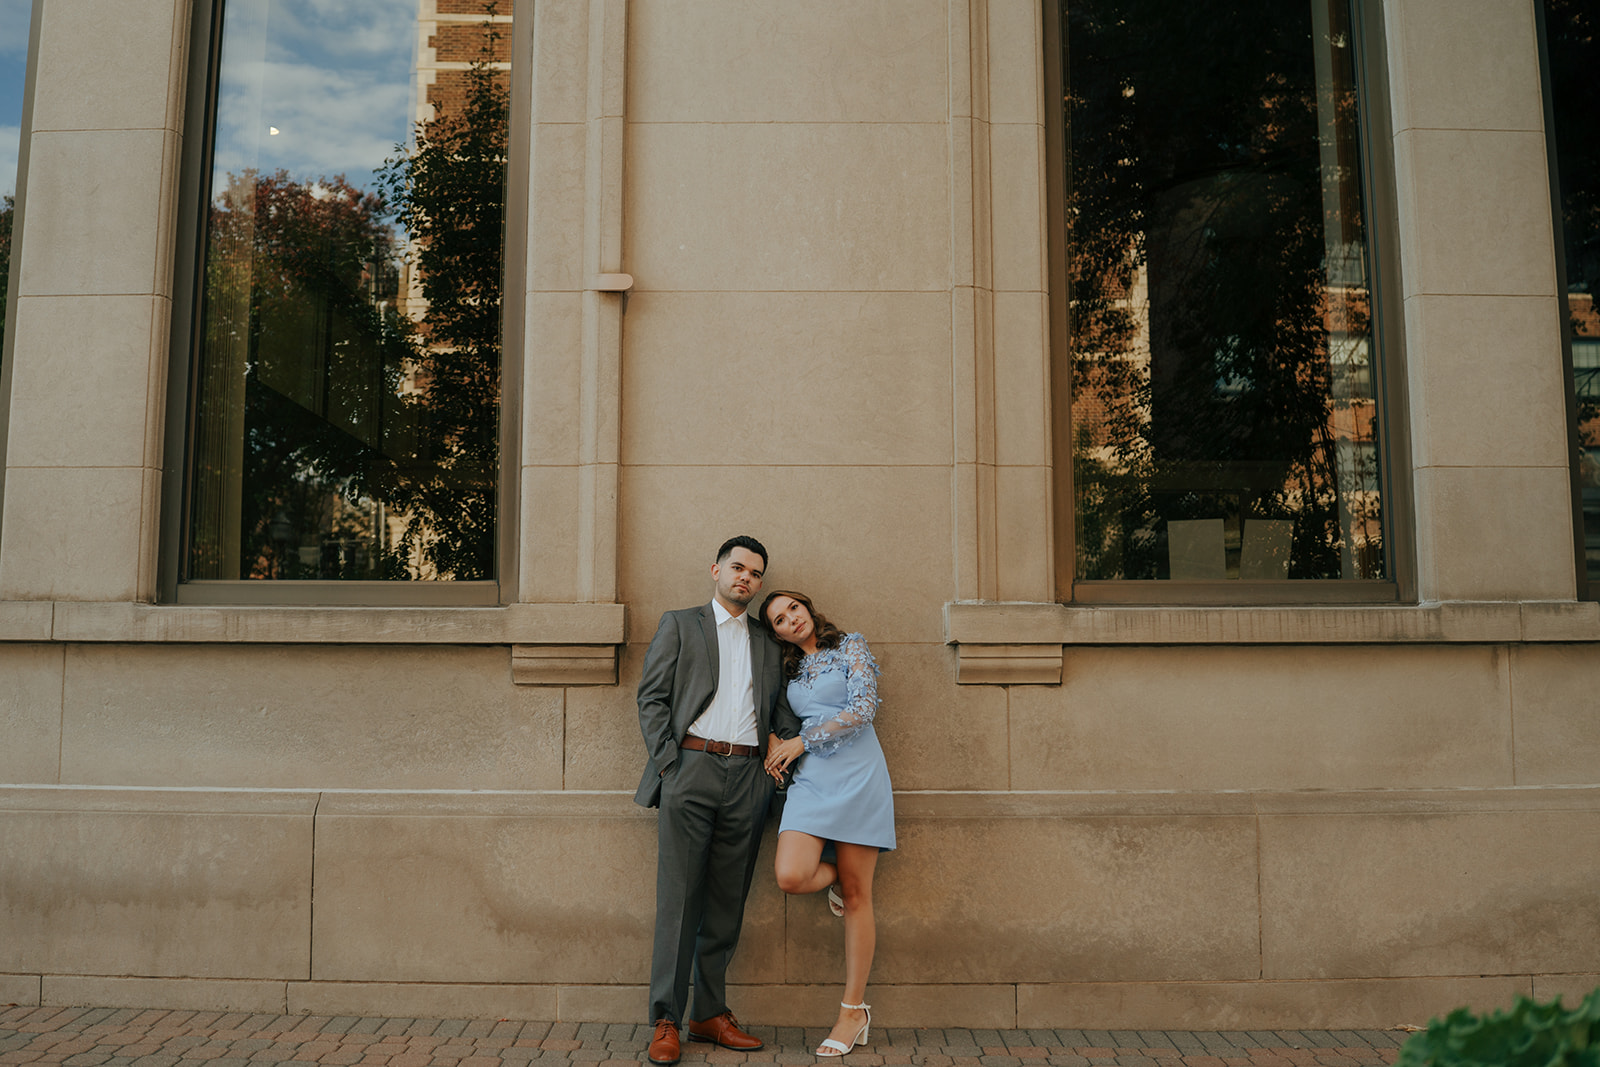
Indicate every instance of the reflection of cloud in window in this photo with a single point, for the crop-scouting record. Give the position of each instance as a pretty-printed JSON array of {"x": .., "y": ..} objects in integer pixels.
[
  {"x": 333, "y": 76},
  {"x": 341, "y": 32},
  {"x": 13, "y": 34},
  {"x": 14, "y": 16},
  {"x": 10, "y": 137}
]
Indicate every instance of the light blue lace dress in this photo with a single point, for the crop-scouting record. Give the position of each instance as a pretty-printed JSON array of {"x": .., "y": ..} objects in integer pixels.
[{"x": 841, "y": 789}]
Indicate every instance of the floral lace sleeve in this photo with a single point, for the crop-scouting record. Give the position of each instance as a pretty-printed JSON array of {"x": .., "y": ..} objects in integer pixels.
[{"x": 861, "y": 694}]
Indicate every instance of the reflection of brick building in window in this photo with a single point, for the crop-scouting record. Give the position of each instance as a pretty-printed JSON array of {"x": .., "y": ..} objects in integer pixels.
[{"x": 452, "y": 36}]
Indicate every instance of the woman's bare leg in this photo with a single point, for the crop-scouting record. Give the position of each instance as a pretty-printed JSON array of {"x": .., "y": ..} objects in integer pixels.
[
  {"x": 799, "y": 865},
  {"x": 855, "y": 869}
]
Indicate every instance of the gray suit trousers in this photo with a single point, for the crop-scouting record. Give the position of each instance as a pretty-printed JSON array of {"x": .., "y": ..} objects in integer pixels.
[{"x": 713, "y": 809}]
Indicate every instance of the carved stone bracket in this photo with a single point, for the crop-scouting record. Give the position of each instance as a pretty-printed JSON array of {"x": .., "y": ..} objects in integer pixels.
[
  {"x": 564, "y": 664},
  {"x": 1008, "y": 664}
]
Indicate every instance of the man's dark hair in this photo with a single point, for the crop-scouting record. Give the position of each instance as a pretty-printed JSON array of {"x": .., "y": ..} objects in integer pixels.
[{"x": 742, "y": 541}]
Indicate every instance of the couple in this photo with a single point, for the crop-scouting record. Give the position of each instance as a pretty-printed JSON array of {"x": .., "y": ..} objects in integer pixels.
[{"x": 715, "y": 706}]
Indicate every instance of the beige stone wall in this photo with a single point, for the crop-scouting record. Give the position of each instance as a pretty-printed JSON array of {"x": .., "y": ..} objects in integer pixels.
[
  {"x": 1481, "y": 313},
  {"x": 836, "y": 339},
  {"x": 87, "y": 371}
]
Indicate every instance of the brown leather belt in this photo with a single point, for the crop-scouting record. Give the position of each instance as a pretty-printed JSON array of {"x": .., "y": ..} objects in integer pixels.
[{"x": 717, "y": 748}]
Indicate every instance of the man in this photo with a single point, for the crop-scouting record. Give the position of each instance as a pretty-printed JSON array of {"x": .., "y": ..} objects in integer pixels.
[{"x": 712, "y": 691}]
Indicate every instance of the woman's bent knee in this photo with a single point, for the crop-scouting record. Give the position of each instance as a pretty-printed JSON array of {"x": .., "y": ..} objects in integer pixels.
[{"x": 793, "y": 881}]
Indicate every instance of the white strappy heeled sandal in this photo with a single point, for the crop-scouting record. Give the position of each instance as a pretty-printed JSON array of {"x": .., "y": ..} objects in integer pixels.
[
  {"x": 830, "y": 1047},
  {"x": 835, "y": 901}
]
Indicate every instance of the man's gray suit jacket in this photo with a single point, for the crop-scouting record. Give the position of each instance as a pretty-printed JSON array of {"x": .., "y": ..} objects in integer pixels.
[{"x": 680, "y": 678}]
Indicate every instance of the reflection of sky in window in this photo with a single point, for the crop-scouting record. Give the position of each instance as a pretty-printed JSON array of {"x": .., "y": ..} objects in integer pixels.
[
  {"x": 332, "y": 77},
  {"x": 14, "y": 16}
]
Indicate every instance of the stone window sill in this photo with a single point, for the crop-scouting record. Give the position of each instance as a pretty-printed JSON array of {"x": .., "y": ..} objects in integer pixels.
[
  {"x": 551, "y": 644},
  {"x": 1023, "y": 644}
]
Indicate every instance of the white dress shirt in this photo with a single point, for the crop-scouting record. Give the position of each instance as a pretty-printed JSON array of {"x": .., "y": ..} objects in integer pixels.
[{"x": 731, "y": 715}]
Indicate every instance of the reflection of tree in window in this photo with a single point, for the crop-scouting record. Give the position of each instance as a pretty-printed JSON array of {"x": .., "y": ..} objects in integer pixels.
[
  {"x": 451, "y": 192},
  {"x": 1221, "y": 342},
  {"x": 7, "y": 210},
  {"x": 1572, "y": 35},
  {"x": 335, "y": 437}
]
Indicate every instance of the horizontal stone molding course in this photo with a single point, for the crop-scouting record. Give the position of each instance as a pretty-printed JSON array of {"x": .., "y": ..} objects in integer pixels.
[
  {"x": 992, "y": 625},
  {"x": 112, "y": 622}
]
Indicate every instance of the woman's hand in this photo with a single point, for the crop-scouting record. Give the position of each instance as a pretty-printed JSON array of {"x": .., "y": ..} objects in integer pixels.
[{"x": 781, "y": 753}]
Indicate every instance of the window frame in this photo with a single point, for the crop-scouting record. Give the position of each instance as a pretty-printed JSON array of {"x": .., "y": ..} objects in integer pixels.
[
  {"x": 14, "y": 267},
  {"x": 1586, "y": 590},
  {"x": 206, "y": 19},
  {"x": 1381, "y": 199}
]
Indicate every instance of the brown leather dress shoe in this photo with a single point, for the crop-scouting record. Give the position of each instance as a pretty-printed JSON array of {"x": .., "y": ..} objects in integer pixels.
[
  {"x": 664, "y": 1042},
  {"x": 723, "y": 1030}
]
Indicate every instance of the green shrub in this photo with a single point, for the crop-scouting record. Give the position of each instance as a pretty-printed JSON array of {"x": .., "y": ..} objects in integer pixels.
[{"x": 1529, "y": 1035}]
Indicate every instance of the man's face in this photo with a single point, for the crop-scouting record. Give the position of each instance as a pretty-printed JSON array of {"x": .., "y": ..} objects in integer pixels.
[{"x": 738, "y": 578}]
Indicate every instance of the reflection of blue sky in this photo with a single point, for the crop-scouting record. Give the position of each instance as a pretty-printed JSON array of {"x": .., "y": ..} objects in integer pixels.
[
  {"x": 14, "y": 16},
  {"x": 333, "y": 77}
]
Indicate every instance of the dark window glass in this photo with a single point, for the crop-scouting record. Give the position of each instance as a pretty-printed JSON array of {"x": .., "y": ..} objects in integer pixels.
[
  {"x": 347, "y": 366},
  {"x": 14, "y": 16},
  {"x": 1572, "y": 36},
  {"x": 1224, "y": 416}
]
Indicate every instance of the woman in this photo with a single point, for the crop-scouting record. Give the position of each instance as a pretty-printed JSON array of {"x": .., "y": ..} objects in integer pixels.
[{"x": 840, "y": 801}]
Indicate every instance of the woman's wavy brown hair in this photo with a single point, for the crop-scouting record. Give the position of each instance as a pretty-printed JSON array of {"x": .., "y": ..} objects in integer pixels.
[{"x": 828, "y": 635}]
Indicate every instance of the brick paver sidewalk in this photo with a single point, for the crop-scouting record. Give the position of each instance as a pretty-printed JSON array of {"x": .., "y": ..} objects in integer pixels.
[{"x": 131, "y": 1037}]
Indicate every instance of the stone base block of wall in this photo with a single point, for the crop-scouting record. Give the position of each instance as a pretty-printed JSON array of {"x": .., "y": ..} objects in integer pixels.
[
  {"x": 20, "y": 989},
  {"x": 431, "y": 1000},
  {"x": 189, "y": 994},
  {"x": 1352, "y": 1004},
  {"x": 1357, "y": 1004},
  {"x": 1130, "y": 910}
]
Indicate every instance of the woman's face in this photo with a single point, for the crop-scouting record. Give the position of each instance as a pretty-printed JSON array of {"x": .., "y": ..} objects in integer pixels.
[{"x": 789, "y": 620}]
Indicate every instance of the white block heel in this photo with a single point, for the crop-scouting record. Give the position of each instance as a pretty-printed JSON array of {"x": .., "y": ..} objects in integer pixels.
[{"x": 830, "y": 1047}]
